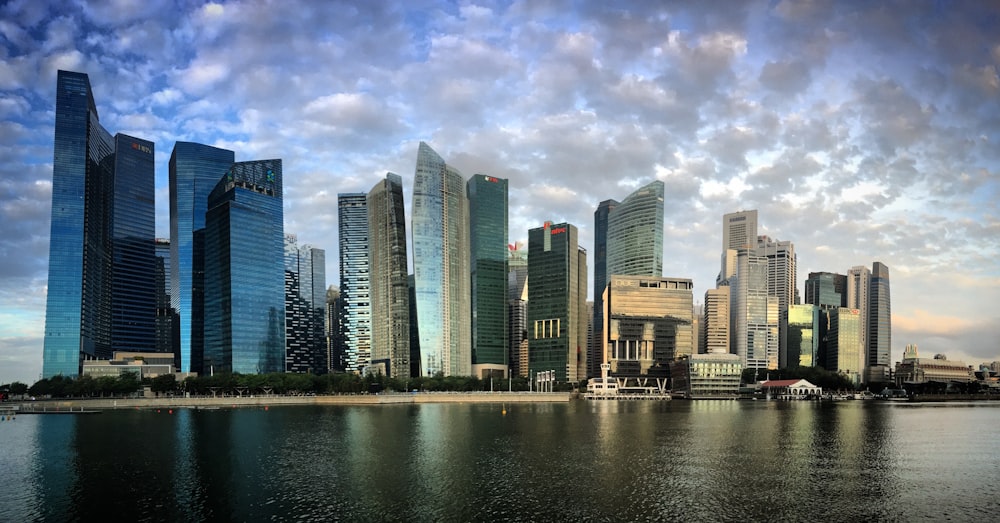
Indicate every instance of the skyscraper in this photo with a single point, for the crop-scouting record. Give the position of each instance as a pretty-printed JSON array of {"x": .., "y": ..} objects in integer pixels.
[
  {"x": 195, "y": 169},
  {"x": 244, "y": 271},
  {"x": 803, "y": 335},
  {"x": 488, "y": 241},
  {"x": 649, "y": 322},
  {"x": 557, "y": 296},
  {"x": 167, "y": 324},
  {"x": 879, "y": 323},
  {"x": 781, "y": 281},
  {"x": 517, "y": 308},
  {"x": 305, "y": 308},
  {"x": 716, "y": 322},
  {"x": 754, "y": 313},
  {"x": 441, "y": 265},
  {"x": 355, "y": 314},
  {"x": 858, "y": 283},
  {"x": 390, "y": 289},
  {"x": 826, "y": 289},
  {"x": 101, "y": 289},
  {"x": 635, "y": 234},
  {"x": 843, "y": 343},
  {"x": 739, "y": 231},
  {"x": 595, "y": 350}
]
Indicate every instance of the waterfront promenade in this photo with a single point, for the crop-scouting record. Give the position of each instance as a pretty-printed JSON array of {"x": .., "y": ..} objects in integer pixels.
[{"x": 274, "y": 400}]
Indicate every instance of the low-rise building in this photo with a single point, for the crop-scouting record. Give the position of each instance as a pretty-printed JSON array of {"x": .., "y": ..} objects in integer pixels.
[
  {"x": 706, "y": 376},
  {"x": 143, "y": 364},
  {"x": 790, "y": 389}
]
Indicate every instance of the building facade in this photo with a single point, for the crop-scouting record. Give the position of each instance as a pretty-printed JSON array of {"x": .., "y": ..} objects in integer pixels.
[
  {"x": 305, "y": 308},
  {"x": 754, "y": 312},
  {"x": 355, "y": 313},
  {"x": 803, "y": 335},
  {"x": 879, "y": 324},
  {"x": 244, "y": 271},
  {"x": 195, "y": 169},
  {"x": 517, "y": 308},
  {"x": 441, "y": 266},
  {"x": 167, "y": 322},
  {"x": 715, "y": 322},
  {"x": 557, "y": 296},
  {"x": 488, "y": 243},
  {"x": 390, "y": 289},
  {"x": 843, "y": 343},
  {"x": 648, "y": 321},
  {"x": 101, "y": 288},
  {"x": 781, "y": 278},
  {"x": 707, "y": 376},
  {"x": 595, "y": 350}
]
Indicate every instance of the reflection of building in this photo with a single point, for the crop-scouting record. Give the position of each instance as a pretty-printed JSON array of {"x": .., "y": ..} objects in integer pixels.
[
  {"x": 354, "y": 314},
  {"x": 714, "y": 375},
  {"x": 647, "y": 322},
  {"x": 440, "y": 232},
  {"x": 194, "y": 171},
  {"x": 101, "y": 292},
  {"x": 390, "y": 287},
  {"x": 557, "y": 296},
  {"x": 244, "y": 271},
  {"x": 915, "y": 370},
  {"x": 488, "y": 244},
  {"x": 803, "y": 342},
  {"x": 843, "y": 343}
]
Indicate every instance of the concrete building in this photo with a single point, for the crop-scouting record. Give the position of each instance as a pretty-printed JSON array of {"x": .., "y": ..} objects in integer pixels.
[
  {"x": 706, "y": 376},
  {"x": 715, "y": 324},
  {"x": 781, "y": 283},
  {"x": 754, "y": 312},
  {"x": 648, "y": 322},
  {"x": 914, "y": 370}
]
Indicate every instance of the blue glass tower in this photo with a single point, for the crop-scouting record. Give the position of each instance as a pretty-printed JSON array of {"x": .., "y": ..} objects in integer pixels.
[
  {"x": 355, "y": 313},
  {"x": 101, "y": 236},
  {"x": 595, "y": 351},
  {"x": 488, "y": 238},
  {"x": 440, "y": 218},
  {"x": 244, "y": 271},
  {"x": 195, "y": 169}
]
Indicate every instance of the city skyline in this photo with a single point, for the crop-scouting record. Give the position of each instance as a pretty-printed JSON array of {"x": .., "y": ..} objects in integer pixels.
[{"x": 859, "y": 132}]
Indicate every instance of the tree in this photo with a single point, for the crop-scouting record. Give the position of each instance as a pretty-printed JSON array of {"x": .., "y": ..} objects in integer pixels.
[{"x": 164, "y": 383}]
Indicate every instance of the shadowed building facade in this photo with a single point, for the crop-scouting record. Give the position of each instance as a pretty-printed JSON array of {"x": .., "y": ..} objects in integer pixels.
[
  {"x": 441, "y": 267},
  {"x": 488, "y": 243},
  {"x": 244, "y": 271},
  {"x": 390, "y": 289},
  {"x": 305, "y": 308},
  {"x": 101, "y": 286},
  {"x": 648, "y": 323}
]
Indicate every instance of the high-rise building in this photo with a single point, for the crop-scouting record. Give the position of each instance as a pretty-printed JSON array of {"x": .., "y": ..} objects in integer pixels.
[
  {"x": 517, "y": 308},
  {"x": 101, "y": 289},
  {"x": 167, "y": 324},
  {"x": 441, "y": 267},
  {"x": 334, "y": 340},
  {"x": 595, "y": 351},
  {"x": 803, "y": 335},
  {"x": 557, "y": 296},
  {"x": 826, "y": 289},
  {"x": 355, "y": 313},
  {"x": 754, "y": 312},
  {"x": 305, "y": 308},
  {"x": 843, "y": 343},
  {"x": 244, "y": 271},
  {"x": 715, "y": 324},
  {"x": 195, "y": 169},
  {"x": 858, "y": 283},
  {"x": 739, "y": 231},
  {"x": 648, "y": 321},
  {"x": 390, "y": 289},
  {"x": 879, "y": 324},
  {"x": 488, "y": 242},
  {"x": 781, "y": 281},
  {"x": 635, "y": 233}
]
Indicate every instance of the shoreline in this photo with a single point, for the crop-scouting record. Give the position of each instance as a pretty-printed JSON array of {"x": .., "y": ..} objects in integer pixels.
[{"x": 90, "y": 404}]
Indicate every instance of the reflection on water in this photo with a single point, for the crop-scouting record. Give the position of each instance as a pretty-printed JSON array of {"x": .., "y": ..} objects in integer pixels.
[{"x": 597, "y": 461}]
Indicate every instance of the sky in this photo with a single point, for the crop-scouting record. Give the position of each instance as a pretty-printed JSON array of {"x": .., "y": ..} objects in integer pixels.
[{"x": 860, "y": 131}]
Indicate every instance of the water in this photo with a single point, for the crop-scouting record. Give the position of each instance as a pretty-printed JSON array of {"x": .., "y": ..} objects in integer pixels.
[{"x": 581, "y": 461}]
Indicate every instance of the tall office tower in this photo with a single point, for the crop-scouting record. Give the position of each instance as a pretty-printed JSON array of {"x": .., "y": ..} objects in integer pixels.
[
  {"x": 803, "y": 339},
  {"x": 441, "y": 265},
  {"x": 195, "y": 169},
  {"x": 557, "y": 295},
  {"x": 517, "y": 308},
  {"x": 648, "y": 321},
  {"x": 167, "y": 328},
  {"x": 754, "y": 313},
  {"x": 716, "y": 322},
  {"x": 826, "y": 289},
  {"x": 244, "y": 271},
  {"x": 595, "y": 350},
  {"x": 843, "y": 343},
  {"x": 858, "y": 282},
  {"x": 488, "y": 242},
  {"x": 635, "y": 234},
  {"x": 696, "y": 315},
  {"x": 390, "y": 288},
  {"x": 879, "y": 323},
  {"x": 355, "y": 313},
  {"x": 101, "y": 292},
  {"x": 739, "y": 231},
  {"x": 305, "y": 308},
  {"x": 415, "y": 369},
  {"x": 781, "y": 278},
  {"x": 334, "y": 340}
]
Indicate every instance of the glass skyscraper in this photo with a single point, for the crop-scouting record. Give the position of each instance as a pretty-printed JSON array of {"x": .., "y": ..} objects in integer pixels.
[
  {"x": 390, "y": 287},
  {"x": 557, "y": 297},
  {"x": 166, "y": 317},
  {"x": 195, "y": 169},
  {"x": 754, "y": 313},
  {"x": 879, "y": 317},
  {"x": 595, "y": 351},
  {"x": 488, "y": 238},
  {"x": 441, "y": 266},
  {"x": 305, "y": 308},
  {"x": 355, "y": 312},
  {"x": 803, "y": 335},
  {"x": 635, "y": 234},
  {"x": 244, "y": 271},
  {"x": 101, "y": 287}
]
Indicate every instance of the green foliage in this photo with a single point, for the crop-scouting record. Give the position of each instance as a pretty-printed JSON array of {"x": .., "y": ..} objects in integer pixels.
[{"x": 164, "y": 383}]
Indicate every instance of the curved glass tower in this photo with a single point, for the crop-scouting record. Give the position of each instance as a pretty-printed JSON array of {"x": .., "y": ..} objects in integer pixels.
[
  {"x": 635, "y": 234},
  {"x": 440, "y": 229}
]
